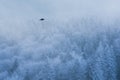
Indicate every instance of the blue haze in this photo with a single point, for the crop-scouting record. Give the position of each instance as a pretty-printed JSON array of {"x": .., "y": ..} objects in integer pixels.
[{"x": 79, "y": 40}]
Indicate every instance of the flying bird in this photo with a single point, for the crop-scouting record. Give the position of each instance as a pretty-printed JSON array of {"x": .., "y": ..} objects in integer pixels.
[{"x": 42, "y": 19}]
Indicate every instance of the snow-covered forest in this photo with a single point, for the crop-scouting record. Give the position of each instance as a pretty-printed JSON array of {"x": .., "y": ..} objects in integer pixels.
[
  {"x": 85, "y": 49},
  {"x": 82, "y": 45}
]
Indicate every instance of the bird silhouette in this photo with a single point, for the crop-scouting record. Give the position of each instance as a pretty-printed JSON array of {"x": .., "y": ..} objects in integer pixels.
[{"x": 42, "y": 19}]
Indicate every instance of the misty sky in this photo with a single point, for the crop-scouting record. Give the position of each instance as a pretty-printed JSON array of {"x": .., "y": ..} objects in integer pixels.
[{"x": 59, "y": 8}]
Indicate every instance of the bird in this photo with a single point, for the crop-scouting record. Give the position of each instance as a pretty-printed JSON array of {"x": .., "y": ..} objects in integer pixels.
[{"x": 42, "y": 19}]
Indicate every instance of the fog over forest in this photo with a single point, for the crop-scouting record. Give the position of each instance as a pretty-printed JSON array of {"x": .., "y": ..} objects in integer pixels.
[{"x": 76, "y": 40}]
